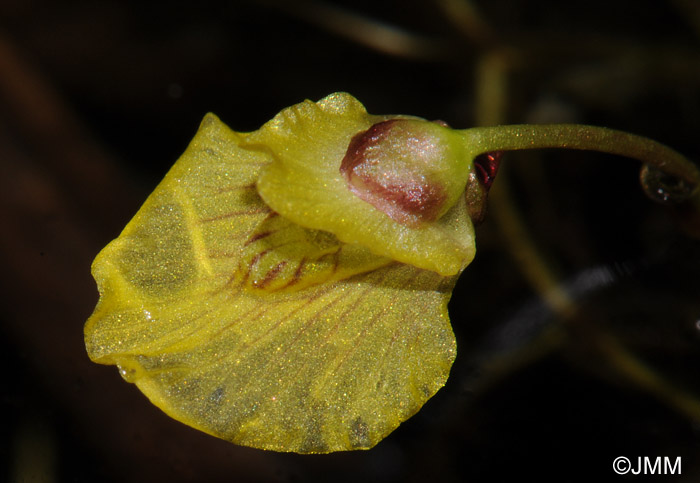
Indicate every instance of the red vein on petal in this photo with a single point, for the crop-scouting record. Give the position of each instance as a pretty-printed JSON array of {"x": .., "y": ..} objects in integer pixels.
[
  {"x": 227, "y": 189},
  {"x": 313, "y": 320},
  {"x": 400, "y": 327},
  {"x": 371, "y": 323},
  {"x": 314, "y": 297},
  {"x": 307, "y": 302},
  {"x": 270, "y": 275},
  {"x": 250, "y": 212},
  {"x": 222, "y": 255},
  {"x": 256, "y": 237},
  {"x": 296, "y": 277},
  {"x": 316, "y": 317},
  {"x": 260, "y": 309}
]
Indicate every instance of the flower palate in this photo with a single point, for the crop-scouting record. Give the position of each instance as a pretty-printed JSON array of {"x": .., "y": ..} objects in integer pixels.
[
  {"x": 287, "y": 289},
  {"x": 406, "y": 168},
  {"x": 255, "y": 296}
]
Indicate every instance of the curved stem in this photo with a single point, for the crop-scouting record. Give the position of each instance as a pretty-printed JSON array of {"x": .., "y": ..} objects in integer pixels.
[{"x": 589, "y": 138}]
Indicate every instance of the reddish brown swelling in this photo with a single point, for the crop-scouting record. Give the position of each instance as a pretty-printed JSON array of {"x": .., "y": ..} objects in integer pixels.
[{"x": 398, "y": 190}]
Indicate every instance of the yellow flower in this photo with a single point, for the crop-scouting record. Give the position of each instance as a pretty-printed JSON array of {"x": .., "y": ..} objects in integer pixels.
[{"x": 286, "y": 289}]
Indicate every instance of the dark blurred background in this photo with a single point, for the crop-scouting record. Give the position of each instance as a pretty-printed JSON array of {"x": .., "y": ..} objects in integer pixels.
[{"x": 98, "y": 98}]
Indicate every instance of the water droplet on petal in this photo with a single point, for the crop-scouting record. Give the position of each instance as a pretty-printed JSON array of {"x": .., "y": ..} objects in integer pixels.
[
  {"x": 663, "y": 187},
  {"x": 128, "y": 374}
]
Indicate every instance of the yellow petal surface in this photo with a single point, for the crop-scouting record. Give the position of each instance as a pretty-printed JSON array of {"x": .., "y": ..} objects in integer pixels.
[
  {"x": 335, "y": 365},
  {"x": 308, "y": 142}
]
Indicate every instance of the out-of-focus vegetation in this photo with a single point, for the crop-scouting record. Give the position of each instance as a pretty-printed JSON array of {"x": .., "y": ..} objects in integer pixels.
[{"x": 97, "y": 99}]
